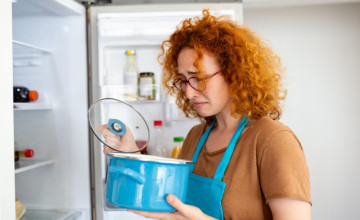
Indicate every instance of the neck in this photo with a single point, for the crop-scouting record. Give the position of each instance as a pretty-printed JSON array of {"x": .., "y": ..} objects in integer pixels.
[{"x": 226, "y": 122}]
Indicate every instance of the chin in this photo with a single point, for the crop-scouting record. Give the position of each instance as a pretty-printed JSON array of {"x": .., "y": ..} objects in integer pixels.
[{"x": 204, "y": 114}]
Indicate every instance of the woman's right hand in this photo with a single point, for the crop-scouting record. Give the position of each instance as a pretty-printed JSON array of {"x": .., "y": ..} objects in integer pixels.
[{"x": 124, "y": 143}]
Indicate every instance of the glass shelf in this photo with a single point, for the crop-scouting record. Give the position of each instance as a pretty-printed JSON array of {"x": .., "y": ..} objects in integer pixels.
[
  {"x": 119, "y": 92},
  {"x": 43, "y": 103},
  {"x": 34, "y": 214},
  {"x": 27, "y": 55},
  {"x": 31, "y": 106},
  {"x": 25, "y": 165},
  {"x": 25, "y": 50}
]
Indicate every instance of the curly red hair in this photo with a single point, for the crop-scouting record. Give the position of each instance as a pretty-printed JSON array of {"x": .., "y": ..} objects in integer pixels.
[{"x": 248, "y": 65}]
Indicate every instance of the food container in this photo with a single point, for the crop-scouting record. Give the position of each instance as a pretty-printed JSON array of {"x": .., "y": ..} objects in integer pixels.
[
  {"x": 133, "y": 180},
  {"x": 147, "y": 90},
  {"x": 142, "y": 182}
]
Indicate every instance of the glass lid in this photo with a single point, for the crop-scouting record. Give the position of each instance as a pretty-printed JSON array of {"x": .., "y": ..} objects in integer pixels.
[{"x": 118, "y": 118}]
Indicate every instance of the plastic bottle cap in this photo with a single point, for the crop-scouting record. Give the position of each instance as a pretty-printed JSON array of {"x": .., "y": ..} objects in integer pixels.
[
  {"x": 157, "y": 123},
  {"x": 33, "y": 95},
  {"x": 178, "y": 139},
  {"x": 128, "y": 52},
  {"x": 29, "y": 153}
]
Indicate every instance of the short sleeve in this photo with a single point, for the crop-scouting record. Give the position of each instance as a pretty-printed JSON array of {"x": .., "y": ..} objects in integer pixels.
[{"x": 283, "y": 169}]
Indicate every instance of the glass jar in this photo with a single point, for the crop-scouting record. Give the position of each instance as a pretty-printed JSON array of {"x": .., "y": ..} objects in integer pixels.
[{"x": 147, "y": 86}]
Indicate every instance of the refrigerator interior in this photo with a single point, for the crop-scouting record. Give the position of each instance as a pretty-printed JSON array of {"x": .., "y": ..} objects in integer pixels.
[
  {"x": 49, "y": 55},
  {"x": 141, "y": 28}
]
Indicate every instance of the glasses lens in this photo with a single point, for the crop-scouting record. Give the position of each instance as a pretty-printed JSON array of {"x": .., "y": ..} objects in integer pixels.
[
  {"x": 197, "y": 84},
  {"x": 194, "y": 82},
  {"x": 179, "y": 84}
]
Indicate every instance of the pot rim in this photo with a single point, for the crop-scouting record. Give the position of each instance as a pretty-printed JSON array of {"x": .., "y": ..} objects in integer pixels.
[{"x": 150, "y": 158}]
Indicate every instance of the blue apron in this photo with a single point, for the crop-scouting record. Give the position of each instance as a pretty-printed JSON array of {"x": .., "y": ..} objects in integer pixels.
[{"x": 206, "y": 193}]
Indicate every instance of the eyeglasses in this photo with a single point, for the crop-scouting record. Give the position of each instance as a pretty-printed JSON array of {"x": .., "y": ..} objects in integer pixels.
[{"x": 195, "y": 83}]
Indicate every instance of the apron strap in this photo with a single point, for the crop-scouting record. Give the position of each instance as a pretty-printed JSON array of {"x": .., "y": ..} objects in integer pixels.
[
  {"x": 200, "y": 145},
  {"x": 220, "y": 171}
]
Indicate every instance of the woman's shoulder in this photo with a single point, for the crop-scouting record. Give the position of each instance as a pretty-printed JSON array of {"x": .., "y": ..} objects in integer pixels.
[
  {"x": 267, "y": 125},
  {"x": 265, "y": 128}
]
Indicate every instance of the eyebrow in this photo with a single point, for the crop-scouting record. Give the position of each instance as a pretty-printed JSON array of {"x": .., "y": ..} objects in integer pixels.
[{"x": 189, "y": 72}]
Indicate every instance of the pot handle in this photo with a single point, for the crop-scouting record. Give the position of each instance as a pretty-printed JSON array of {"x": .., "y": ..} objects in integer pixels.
[{"x": 128, "y": 172}]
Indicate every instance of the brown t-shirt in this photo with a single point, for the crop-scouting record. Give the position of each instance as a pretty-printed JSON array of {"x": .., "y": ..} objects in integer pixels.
[{"x": 268, "y": 163}]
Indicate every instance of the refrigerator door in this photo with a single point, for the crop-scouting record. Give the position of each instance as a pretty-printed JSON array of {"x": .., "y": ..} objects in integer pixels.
[
  {"x": 49, "y": 42},
  {"x": 114, "y": 30}
]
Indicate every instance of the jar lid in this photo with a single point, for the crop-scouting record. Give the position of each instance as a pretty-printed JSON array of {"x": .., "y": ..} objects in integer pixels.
[
  {"x": 178, "y": 139},
  {"x": 29, "y": 153},
  {"x": 157, "y": 123},
  {"x": 130, "y": 52},
  {"x": 146, "y": 74}
]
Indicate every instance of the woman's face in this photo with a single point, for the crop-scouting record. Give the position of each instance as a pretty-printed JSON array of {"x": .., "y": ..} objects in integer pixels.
[{"x": 216, "y": 98}]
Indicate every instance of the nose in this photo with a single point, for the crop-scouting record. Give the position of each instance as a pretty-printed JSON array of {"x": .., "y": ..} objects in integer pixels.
[{"x": 190, "y": 92}]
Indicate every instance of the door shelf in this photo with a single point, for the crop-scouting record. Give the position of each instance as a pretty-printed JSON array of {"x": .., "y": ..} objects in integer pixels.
[
  {"x": 119, "y": 92},
  {"x": 35, "y": 214},
  {"x": 26, "y": 165}
]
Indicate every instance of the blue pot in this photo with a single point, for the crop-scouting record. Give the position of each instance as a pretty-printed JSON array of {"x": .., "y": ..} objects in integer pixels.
[{"x": 142, "y": 182}]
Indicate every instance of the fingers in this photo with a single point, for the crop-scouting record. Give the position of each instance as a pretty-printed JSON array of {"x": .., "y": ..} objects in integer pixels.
[
  {"x": 104, "y": 130},
  {"x": 124, "y": 143},
  {"x": 108, "y": 150},
  {"x": 110, "y": 138},
  {"x": 176, "y": 203}
]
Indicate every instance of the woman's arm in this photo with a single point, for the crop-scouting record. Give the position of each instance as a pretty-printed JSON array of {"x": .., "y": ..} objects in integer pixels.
[{"x": 294, "y": 209}]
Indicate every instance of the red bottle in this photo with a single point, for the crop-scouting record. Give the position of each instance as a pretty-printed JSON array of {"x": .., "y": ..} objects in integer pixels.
[{"x": 24, "y": 153}]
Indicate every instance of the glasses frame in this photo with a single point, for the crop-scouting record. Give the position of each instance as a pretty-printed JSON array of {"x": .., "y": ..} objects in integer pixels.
[{"x": 188, "y": 82}]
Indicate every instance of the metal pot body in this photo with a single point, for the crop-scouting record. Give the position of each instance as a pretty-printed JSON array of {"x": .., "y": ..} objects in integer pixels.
[{"x": 144, "y": 184}]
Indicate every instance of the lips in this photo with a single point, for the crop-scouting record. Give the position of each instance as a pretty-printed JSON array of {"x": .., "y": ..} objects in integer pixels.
[{"x": 198, "y": 104}]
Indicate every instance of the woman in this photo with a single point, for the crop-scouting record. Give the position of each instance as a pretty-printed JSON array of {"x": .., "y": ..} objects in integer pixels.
[{"x": 248, "y": 165}]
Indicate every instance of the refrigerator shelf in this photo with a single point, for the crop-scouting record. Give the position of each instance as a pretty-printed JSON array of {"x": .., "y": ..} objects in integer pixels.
[
  {"x": 26, "y": 55},
  {"x": 43, "y": 103},
  {"x": 36, "y": 214},
  {"x": 25, "y": 165},
  {"x": 31, "y": 106},
  {"x": 25, "y": 50}
]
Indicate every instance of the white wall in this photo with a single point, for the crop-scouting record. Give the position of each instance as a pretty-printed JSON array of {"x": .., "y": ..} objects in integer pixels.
[
  {"x": 320, "y": 48},
  {"x": 7, "y": 190}
]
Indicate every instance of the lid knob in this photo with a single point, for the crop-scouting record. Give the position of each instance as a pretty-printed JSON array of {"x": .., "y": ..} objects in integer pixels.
[{"x": 117, "y": 127}]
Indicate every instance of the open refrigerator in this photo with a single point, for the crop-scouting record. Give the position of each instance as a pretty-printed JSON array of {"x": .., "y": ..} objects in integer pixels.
[{"x": 74, "y": 55}]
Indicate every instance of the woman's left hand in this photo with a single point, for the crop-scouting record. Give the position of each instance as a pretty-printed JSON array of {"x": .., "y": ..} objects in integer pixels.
[{"x": 183, "y": 211}]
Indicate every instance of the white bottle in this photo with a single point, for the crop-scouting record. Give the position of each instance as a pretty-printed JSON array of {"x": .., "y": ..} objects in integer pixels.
[
  {"x": 130, "y": 76},
  {"x": 159, "y": 146}
]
